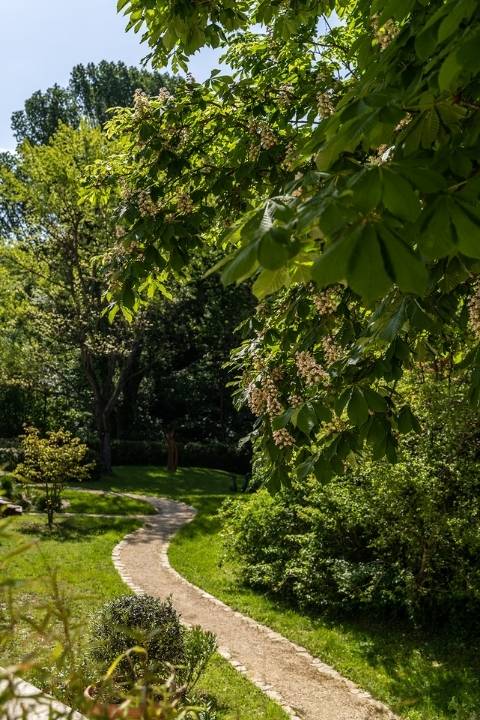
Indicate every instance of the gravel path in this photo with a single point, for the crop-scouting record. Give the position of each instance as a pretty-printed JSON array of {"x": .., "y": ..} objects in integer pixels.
[{"x": 305, "y": 687}]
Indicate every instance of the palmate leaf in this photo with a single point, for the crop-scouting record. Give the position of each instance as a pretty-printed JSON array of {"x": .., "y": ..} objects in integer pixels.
[
  {"x": 409, "y": 272},
  {"x": 366, "y": 272},
  {"x": 357, "y": 408},
  {"x": 399, "y": 197},
  {"x": 333, "y": 263},
  {"x": 467, "y": 231}
]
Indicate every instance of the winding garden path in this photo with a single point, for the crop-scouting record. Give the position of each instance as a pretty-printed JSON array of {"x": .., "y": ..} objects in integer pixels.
[{"x": 305, "y": 687}]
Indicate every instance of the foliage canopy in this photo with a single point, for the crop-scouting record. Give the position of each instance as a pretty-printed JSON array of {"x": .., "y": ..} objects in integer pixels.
[{"x": 363, "y": 180}]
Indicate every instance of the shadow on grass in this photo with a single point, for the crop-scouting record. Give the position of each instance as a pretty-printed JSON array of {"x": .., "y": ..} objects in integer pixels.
[{"x": 76, "y": 528}]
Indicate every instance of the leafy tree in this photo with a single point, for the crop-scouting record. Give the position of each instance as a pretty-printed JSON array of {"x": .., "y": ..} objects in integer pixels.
[
  {"x": 52, "y": 461},
  {"x": 92, "y": 91},
  {"x": 380, "y": 206},
  {"x": 53, "y": 254}
]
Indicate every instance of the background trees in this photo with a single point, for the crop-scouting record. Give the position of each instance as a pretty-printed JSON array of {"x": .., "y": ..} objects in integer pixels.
[
  {"x": 93, "y": 90},
  {"x": 63, "y": 363}
]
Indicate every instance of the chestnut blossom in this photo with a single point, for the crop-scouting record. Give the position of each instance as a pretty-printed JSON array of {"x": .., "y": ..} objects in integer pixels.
[
  {"x": 283, "y": 439},
  {"x": 309, "y": 370}
]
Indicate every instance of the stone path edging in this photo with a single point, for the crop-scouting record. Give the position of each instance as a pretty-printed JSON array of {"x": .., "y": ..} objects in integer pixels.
[{"x": 304, "y": 686}]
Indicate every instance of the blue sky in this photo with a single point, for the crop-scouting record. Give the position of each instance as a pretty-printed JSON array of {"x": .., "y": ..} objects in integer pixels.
[{"x": 41, "y": 40}]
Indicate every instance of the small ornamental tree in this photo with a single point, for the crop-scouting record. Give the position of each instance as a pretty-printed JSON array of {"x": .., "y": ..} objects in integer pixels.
[{"x": 52, "y": 461}]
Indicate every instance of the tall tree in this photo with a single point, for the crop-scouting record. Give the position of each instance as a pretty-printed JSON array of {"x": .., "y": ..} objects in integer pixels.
[
  {"x": 381, "y": 208},
  {"x": 53, "y": 250},
  {"x": 92, "y": 91}
]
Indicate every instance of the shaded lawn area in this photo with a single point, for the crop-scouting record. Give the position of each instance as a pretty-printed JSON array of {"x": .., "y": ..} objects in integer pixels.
[
  {"x": 422, "y": 675},
  {"x": 80, "y": 549},
  {"x": 105, "y": 504}
]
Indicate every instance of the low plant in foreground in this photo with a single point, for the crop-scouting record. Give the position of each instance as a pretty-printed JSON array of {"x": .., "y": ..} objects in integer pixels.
[
  {"x": 52, "y": 461},
  {"x": 140, "y": 639}
]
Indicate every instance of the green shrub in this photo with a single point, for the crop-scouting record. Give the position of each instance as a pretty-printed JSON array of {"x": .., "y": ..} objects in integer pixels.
[
  {"x": 400, "y": 537},
  {"x": 155, "y": 626},
  {"x": 199, "y": 647},
  {"x": 51, "y": 462},
  {"x": 7, "y": 484},
  {"x": 10, "y": 456}
]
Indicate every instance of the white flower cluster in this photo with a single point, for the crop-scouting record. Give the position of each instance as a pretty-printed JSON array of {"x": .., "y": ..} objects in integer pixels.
[
  {"x": 325, "y": 302},
  {"x": 283, "y": 439},
  {"x": 260, "y": 129},
  {"x": 295, "y": 401},
  {"x": 474, "y": 310},
  {"x": 288, "y": 162},
  {"x": 386, "y": 33},
  {"x": 325, "y": 105},
  {"x": 285, "y": 95},
  {"x": 265, "y": 399},
  {"x": 185, "y": 204},
  {"x": 164, "y": 95},
  {"x": 146, "y": 205},
  {"x": 141, "y": 103},
  {"x": 331, "y": 350},
  {"x": 309, "y": 370}
]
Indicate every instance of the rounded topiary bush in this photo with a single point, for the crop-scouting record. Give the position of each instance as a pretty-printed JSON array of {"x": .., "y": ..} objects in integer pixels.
[{"x": 142, "y": 621}]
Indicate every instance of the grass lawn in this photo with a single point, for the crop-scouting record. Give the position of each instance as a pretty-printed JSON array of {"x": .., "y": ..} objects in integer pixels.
[
  {"x": 80, "y": 547},
  {"x": 421, "y": 675},
  {"x": 108, "y": 504}
]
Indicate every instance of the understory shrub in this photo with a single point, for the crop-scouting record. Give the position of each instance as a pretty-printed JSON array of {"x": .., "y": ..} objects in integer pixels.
[
  {"x": 153, "y": 625},
  {"x": 10, "y": 454},
  {"x": 402, "y": 537},
  {"x": 50, "y": 462}
]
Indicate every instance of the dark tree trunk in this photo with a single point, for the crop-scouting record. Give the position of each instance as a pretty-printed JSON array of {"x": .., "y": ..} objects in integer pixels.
[
  {"x": 172, "y": 451},
  {"x": 126, "y": 414},
  {"x": 104, "y": 434},
  {"x": 100, "y": 373},
  {"x": 106, "y": 452}
]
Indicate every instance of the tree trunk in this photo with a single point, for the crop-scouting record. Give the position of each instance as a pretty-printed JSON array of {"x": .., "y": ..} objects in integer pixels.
[
  {"x": 104, "y": 434},
  {"x": 172, "y": 452},
  {"x": 105, "y": 451}
]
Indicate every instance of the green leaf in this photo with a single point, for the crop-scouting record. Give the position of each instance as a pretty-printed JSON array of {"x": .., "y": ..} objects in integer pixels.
[
  {"x": 426, "y": 42},
  {"x": 436, "y": 241},
  {"x": 307, "y": 418},
  {"x": 366, "y": 274},
  {"x": 242, "y": 265},
  {"x": 399, "y": 197},
  {"x": 449, "y": 72},
  {"x": 409, "y": 271},
  {"x": 333, "y": 263},
  {"x": 377, "y": 433},
  {"x": 367, "y": 190},
  {"x": 270, "y": 281},
  {"x": 357, "y": 408},
  {"x": 271, "y": 254},
  {"x": 342, "y": 400},
  {"x": 375, "y": 401},
  {"x": 456, "y": 13},
  {"x": 323, "y": 470},
  {"x": 406, "y": 421},
  {"x": 468, "y": 232},
  {"x": 323, "y": 413}
]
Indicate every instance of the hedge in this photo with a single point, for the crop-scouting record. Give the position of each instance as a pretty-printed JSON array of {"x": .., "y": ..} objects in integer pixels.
[{"x": 216, "y": 455}]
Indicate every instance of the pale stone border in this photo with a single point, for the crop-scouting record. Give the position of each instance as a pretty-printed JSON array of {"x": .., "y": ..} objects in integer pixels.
[{"x": 30, "y": 703}]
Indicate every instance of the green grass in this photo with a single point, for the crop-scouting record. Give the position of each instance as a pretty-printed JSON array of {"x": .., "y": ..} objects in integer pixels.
[
  {"x": 80, "y": 549},
  {"x": 422, "y": 675},
  {"x": 105, "y": 504}
]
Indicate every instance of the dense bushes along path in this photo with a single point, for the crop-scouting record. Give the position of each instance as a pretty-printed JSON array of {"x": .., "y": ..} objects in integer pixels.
[{"x": 303, "y": 685}]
